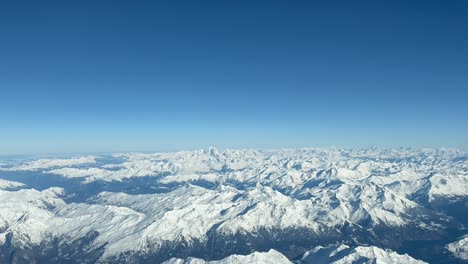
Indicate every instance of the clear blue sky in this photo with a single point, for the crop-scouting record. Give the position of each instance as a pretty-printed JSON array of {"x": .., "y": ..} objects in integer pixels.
[{"x": 164, "y": 75}]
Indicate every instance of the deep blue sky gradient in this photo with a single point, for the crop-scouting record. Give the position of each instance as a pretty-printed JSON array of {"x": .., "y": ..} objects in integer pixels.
[{"x": 166, "y": 75}]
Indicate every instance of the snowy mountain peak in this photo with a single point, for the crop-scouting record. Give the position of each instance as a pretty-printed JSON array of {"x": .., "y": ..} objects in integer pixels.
[
  {"x": 270, "y": 257},
  {"x": 459, "y": 248},
  {"x": 343, "y": 254}
]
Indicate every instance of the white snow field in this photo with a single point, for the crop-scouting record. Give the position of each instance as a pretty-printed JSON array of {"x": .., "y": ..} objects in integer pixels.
[{"x": 236, "y": 206}]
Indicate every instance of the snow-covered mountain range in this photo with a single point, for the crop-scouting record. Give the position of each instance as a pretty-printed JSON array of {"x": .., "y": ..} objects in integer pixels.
[{"x": 250, "y": 206}]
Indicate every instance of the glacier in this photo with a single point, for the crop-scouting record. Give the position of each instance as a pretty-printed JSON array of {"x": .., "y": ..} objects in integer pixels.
[{"x": 339, "y": 205}]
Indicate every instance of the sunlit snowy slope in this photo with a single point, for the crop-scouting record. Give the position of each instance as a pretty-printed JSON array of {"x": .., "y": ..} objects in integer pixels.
[{"x": 237, "y": 206}]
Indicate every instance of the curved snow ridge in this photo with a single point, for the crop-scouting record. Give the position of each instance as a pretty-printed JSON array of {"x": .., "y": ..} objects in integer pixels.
[
  {"x": 343, "y": 254},
  {"x": 459, "y": 248},
  {"x": 5, "y": 185},
  {"x": 270, "y": 257},
  {"x": 53, "y": 163}
]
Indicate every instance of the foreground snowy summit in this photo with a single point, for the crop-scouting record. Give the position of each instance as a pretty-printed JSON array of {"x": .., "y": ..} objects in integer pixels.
[
  {"x": 459, "y": 248},
  {"x": 270, "y": 257},
  {"x": 344, "y": 254},
  {"x": 320, "y": 255},
  {"x": 211, "y": 205}
]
